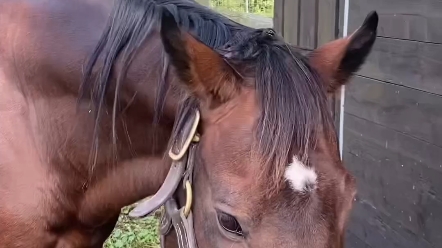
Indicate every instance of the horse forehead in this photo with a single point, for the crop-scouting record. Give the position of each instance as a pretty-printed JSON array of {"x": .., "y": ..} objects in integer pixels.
[{"x": 300, "y": 176}]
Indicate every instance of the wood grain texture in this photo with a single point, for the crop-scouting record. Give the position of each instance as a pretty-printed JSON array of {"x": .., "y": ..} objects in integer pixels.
[
  {"x": 308, "y": 24},
  {"x": 399, "y": 185},
  {"x": 291, "y": 21},
  {"x": 414, "y": 64},
  {"x": 278, "y": 16},
  {"x": 404, "y": 19},
  {"x": 412, "y": 112},
  {"x": 327, "y": 21}
]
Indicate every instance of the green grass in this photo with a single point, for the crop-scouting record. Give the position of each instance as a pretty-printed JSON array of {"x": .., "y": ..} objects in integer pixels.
[{"x": 134, "y": 233}]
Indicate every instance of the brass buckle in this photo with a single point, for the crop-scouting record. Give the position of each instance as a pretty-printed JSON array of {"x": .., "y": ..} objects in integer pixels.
[
  {"x": 192, "y": 137},
  {"x": 189, "y": 199}
]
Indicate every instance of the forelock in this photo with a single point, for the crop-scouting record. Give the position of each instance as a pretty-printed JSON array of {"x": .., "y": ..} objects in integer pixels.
[{"x": 292, "y": 98}]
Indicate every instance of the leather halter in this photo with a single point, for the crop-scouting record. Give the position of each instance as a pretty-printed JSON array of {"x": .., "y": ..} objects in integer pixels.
[{"x": 181, "y": 219}]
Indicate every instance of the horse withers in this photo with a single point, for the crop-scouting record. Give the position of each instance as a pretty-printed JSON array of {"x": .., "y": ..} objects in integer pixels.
[{"x": 103, "y": 103}]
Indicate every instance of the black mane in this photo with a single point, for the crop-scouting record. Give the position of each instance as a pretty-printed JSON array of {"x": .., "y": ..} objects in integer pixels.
[{"x": 292, "y": 96}]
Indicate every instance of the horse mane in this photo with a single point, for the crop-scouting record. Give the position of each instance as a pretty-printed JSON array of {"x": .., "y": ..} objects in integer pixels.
[{"x": 292, "y": 97}]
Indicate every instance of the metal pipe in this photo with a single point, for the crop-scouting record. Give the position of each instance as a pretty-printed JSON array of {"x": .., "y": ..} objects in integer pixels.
[{"x": 342, "y": 102}]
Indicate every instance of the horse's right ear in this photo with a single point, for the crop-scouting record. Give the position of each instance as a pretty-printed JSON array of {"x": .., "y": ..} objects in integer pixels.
[
  {"x": 338, "y": 60},
  {"x": 203, "y": 71}
]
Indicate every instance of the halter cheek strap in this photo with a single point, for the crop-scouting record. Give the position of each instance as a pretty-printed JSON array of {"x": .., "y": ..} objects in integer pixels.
[
  {"x": 180, "y": 219},
  {"x": 182, "y": 154}
]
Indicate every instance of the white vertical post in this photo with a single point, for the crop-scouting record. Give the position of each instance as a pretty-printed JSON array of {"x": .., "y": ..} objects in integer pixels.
[
  {"x": 342, "y": 102},
  {"x": 247, "y": 6}
]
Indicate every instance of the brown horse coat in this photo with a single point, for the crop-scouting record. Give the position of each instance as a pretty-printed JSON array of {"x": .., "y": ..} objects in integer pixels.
[{"x": 64, "y": 175}]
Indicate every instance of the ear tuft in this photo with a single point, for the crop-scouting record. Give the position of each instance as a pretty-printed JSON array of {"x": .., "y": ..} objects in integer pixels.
[
  {"x": 359, "y": 47},
  {"x": 371, "y": 21},
  {"x": 174, "y": 43},
  {"x": 202, "y": 70},
  {"x": 338, "y": 60}
]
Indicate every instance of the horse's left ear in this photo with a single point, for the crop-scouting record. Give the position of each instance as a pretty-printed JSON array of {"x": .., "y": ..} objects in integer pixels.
[
  {"x": 338, "y": 60},
  {"x": 203, "y": 71}
]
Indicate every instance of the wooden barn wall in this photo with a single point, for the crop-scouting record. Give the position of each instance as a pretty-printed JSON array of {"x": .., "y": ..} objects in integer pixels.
[
  {"x": 308, "y": 24},
  {"x": 393, "y": 127},
  {"x": 392, "y": 118}
]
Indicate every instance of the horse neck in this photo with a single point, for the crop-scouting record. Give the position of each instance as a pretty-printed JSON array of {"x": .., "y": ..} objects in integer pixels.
[
  {"x": 148, "y": 101},
  {"x": 142, "y": 142}
]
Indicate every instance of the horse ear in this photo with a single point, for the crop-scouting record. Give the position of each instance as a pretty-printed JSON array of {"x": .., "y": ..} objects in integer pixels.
[
  {"x": 205, "y": 72},
  {"x": 338, "y": 60}
]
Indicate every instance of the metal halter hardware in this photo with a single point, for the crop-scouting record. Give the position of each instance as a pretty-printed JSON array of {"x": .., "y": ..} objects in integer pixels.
[{"x": 181, "y": 170}]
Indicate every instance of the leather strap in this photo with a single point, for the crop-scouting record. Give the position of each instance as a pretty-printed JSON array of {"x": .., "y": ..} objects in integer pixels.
[
  {"x": 183, "y": 156},
  {"x": 183, "y": 226},
  {"x": 166, "y": 191},
  {"x": 174, "y": 217},
  {"x": 179, "y": 153}
]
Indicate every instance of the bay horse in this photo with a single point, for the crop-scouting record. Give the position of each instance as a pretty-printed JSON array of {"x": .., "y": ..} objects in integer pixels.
[{"x": 104, "y": 103}]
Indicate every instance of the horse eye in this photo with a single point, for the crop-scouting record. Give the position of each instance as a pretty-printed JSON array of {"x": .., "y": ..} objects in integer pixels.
[{"x": 230, "y": 224}]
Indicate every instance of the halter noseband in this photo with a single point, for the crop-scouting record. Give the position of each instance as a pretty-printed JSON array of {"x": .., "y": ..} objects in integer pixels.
[{"x": 182, "y": 154}]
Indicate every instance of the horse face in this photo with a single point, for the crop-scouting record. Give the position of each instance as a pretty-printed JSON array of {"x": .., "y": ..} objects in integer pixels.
[{"x": 267, "y": 169}]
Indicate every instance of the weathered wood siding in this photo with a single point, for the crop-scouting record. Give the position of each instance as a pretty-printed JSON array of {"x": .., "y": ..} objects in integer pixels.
[
  {"x": 393, "y": 127},
  {"x": 308, "y": 24},
  {"x": 393, "y": 115}
]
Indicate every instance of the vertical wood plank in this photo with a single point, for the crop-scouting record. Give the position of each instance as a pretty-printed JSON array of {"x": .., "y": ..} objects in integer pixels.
[
  {"x": 278, "y": 16},
  {"x": 341, "y": 5},
  {"x": 326, "y": 21},
  {"x": 291, "y": 21},
  {"x": 308, "y": 27}
]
